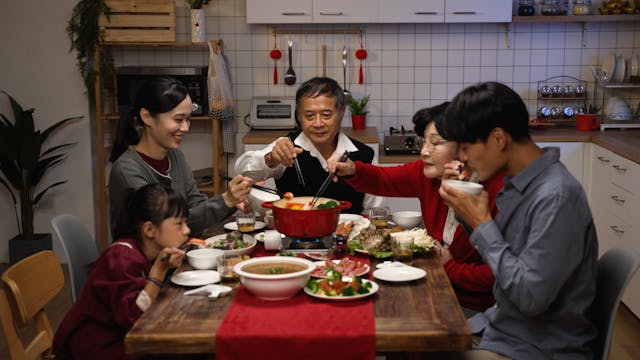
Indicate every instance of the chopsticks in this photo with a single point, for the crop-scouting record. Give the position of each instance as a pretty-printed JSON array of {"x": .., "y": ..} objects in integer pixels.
[
  {"x": 327, "y": 180},
  {"x": 296, "y": 164},
  {"x": 187, "y": 245},
  {"x": 266, "y": 189}
]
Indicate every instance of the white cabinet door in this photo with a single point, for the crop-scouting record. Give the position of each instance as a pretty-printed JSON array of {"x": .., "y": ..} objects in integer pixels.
[
  {"x": 411, "y": 11},
  {"x": 279, "y": 11},
  {"x": 571, "y": 155},
  {"x": 340, "y": 11},
  {"x": 471, "y": 11}
]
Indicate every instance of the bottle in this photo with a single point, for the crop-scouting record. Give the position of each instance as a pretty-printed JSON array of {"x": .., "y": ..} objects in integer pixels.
[{"x": 581, "y": 7}]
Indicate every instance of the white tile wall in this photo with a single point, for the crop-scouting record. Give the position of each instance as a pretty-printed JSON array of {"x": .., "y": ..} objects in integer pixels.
[{"x": 409, "y": 66}]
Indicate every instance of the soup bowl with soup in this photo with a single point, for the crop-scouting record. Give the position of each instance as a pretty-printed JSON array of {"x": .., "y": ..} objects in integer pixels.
[{"x": 274, "y": 277}]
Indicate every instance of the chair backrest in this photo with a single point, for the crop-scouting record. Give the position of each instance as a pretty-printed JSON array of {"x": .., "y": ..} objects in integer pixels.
[
  {"x": 29, "y": 285},
  {"x": 615, "y": 269},
  {"x": 79, "y": 246}
]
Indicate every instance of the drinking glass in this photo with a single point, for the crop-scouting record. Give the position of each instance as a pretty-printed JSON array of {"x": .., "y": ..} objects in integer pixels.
[
  {"x": 246, "y": 221},
  {"x": 402, "y": 248},
  {"x": 226, "y": 263},
  {"x": 379, "y": 216}
]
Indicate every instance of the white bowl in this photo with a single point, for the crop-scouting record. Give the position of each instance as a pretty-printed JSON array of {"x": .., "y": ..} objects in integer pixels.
[
  {"x": 204, "y": 259},
  {"x": 407, "y": 219},
  {"x": 468, "y": 186},
  {"x": 257, "y": 197},
  {"x": 274, "y": 286},
  {"x": 242, "y": 251},
  {"x": 617, "y": 108}
]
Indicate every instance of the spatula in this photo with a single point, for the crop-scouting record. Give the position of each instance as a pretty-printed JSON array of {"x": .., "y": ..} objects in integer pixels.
[{"x": 290, "y": 75}]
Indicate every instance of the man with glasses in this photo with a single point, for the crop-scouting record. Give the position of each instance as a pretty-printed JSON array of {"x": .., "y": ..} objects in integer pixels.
[
  {"x": 320, "y": 107},
  {"x": 471, "y": 278}
]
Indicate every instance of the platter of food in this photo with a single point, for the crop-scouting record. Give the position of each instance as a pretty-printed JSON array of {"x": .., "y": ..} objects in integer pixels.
[
  {"x": 196, "y": 278},
  {"x": 342, "y": 289},
  {"x": 318, "y": 255},
  {"x": 233, "y": 226},
  {"x": 345, "y": 266},
  {"x": 399, "y": 273},
  {"x": 377, "y": 242},
  {"x": 233, "y": 243}
]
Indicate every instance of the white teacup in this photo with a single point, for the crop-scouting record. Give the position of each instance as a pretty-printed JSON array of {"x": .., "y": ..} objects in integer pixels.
[{"x": 468, "y": 186}]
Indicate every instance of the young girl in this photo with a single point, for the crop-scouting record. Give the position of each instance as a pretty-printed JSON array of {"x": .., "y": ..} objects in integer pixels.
[
  {"x": 162, "y": 111},
  {"x": 126, "y": 279}
]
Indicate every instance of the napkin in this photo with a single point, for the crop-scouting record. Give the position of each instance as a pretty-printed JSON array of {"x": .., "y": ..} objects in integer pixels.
[{"x": 213, "y": 291}]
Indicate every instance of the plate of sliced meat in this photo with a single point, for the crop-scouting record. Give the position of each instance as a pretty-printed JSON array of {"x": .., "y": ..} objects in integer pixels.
[{"x": 346, "y": 267}]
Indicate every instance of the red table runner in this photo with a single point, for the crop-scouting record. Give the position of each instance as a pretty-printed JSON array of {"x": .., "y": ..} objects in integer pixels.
[{"x": 298, "y": 328}]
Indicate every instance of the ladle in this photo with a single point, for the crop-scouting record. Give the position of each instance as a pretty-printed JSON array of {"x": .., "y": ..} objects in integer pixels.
[
  {"x": 347, "y": 93},
  {"x": 290, "y": 75}
]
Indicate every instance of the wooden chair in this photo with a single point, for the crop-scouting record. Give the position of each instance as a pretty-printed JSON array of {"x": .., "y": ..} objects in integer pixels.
[{"x": 29, "y": 285}]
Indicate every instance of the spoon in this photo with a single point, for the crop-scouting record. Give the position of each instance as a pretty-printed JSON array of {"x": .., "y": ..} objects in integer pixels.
[
  {"x": 290, "y": 75},
  {"x": 347, "y": 93}
]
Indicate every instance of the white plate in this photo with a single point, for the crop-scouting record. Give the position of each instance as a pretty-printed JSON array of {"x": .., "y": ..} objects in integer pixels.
[
  {"x": 366, "y": 269},
  {"x": 399, "y": 273},
  {"x": 609, "y": 65},
  {"x": 373, "y": 290},
  {"x": 318, "y": 255},
  {"x": 259, "y": 237},
  {"x": 620, "y": 69},
  {"x": 349, "y": 217},
  {"x": 634, "y": 64},
  {"x": 233, "y": 226},
  {"x": 246, "y": 238},
  {"x": 196, "y": 278}
]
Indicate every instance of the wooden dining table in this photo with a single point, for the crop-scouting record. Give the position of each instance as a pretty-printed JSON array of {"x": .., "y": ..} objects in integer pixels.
[{"x": 417, "y": 316}]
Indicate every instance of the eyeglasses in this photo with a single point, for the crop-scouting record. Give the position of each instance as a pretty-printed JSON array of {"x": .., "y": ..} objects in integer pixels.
[{"x": 432, "y": 142}]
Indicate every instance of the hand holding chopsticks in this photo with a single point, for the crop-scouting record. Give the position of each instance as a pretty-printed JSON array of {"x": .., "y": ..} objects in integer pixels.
[
  {"x": 271, "y": 191},
  {"x": 327, "y": 180}
]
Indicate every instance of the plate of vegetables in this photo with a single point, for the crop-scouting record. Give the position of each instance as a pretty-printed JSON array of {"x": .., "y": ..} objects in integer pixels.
[
  {"x": 338, "y": 288},
  {"x": 233, "y": 243}
]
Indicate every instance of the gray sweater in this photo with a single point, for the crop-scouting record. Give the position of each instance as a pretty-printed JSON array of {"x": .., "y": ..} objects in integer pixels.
[{"x": 131, "y": 172}]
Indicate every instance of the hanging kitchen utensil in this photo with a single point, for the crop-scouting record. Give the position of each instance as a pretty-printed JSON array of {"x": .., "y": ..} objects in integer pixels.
[
  {"x": 275, "y": 54},
  {"x": 324, "y": 60},
  {"x": 361, "y": 54},
  {"x": 347, "y": 93},
  {"x": 290, "y": 75}
]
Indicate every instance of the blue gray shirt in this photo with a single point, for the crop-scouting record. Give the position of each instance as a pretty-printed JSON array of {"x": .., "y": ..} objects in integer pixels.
[{"x": 542, "y": 248}]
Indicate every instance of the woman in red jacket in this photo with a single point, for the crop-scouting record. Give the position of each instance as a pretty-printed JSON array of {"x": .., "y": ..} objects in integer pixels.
[{"x": 471, "y": 278}]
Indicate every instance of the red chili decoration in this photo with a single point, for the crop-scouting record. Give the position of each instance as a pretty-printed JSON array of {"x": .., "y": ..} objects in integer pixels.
[
  {"x": 275, "y": 54},
  {"x": 361, "y": 54}
]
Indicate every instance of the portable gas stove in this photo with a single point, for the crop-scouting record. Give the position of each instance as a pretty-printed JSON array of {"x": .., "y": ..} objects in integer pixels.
[
  {"x": 401, "y": 142},
  {"x": 317, "y": 244}
]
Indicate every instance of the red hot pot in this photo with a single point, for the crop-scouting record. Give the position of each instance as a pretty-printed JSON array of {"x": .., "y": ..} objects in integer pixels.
[{"x": 305, "y": 223}]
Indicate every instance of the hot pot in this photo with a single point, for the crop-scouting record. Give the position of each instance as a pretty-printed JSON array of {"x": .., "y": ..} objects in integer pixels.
[{"x": 305, "y": 223}]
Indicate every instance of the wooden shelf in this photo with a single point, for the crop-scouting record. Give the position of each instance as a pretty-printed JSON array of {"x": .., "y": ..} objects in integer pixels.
[{"x": 576, "y": 18}]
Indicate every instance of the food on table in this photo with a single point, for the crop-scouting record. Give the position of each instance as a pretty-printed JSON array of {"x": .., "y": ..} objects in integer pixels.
[
  {"x": 233, "y": 240},
  {"x": 337, "y": 286},
  {"x": 346, "y": 267},
  {"x": 273, "y": 268},
  {"x": 362, "y": 224},
  {"x": 288, "y": 195},
  {"x": 344, "y": 228},
  {"x": 422, "y": 242},
  {"x": 376, "y": 242}
]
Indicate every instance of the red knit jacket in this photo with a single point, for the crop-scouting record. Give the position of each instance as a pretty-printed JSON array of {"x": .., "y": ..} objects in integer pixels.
[{"x": 471, "y": 278}]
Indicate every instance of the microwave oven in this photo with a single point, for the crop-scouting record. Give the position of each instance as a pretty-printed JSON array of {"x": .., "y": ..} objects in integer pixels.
[
  {"x": 130, "y": 78},
  {"x": 273, "y": 113}
]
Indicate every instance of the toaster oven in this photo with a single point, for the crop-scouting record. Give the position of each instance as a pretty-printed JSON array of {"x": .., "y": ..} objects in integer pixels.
[{"x": 273, "y": 113}]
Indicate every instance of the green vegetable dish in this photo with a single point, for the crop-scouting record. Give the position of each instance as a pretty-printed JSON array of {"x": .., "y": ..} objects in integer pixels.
[
  {"x": 328, "y": 205},
  {"x": 334, "y": 286}
]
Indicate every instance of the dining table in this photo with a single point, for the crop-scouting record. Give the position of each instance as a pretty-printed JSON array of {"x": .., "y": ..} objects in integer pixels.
[{"x": 416, "y": 316}]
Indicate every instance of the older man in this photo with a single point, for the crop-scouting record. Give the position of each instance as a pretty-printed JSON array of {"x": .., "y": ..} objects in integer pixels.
[{"x": 320, "y": 107}]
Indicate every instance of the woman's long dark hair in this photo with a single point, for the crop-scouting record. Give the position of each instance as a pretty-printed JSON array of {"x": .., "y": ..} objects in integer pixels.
[
  {"x": 157, "y": 95},
  {"x": 152, "y": 202}
]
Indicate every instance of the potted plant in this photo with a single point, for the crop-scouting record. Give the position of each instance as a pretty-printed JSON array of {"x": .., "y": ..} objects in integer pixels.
[
  {"x": 198, "y": 20},
  {"x": 358, "y": 113},
  {"x": 85, "y": 36},
  {"x": 23, "y": 164}
]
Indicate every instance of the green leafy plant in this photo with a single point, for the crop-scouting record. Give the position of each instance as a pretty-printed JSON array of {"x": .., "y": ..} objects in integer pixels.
[
  {"x": 23, "y": 162},
  {"x": 85, "y": 36},
  {"x": 356, "y": 106},
  {"x": 197, "y": 4}
]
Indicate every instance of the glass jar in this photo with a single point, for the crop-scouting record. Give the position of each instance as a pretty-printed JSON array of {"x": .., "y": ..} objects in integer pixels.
[
  {"x": 550, "y": 7},
  {"x": 526, "y": 8},
  {"x": 581, "y": 7}
]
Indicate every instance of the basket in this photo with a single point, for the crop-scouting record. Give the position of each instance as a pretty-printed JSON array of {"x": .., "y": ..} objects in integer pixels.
[{"x": 139, "y": 21}]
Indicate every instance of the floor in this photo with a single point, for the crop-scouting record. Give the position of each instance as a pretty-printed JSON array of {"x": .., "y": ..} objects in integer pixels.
[{"x": 625, "y": 344}]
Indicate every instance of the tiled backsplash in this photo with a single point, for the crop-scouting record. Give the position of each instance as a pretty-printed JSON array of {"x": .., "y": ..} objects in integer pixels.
[{"x": 409, "y": 66}]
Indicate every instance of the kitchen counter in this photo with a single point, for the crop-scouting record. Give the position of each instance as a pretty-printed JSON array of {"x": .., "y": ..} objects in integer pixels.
[{"x": 622, "y": 142}]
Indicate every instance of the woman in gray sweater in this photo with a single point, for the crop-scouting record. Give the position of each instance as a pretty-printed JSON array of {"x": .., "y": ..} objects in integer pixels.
[{"x": 162, "y": 109}]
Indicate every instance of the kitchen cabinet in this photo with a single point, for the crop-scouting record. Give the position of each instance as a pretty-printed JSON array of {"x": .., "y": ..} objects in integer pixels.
[
  {"x": 473, "y": 11},
  {"x": 571, "y": 155},
  {"x": 615, "y": 204},
  {"x": 310, "y": 11},
  {"x": 411, "y": 11}
]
